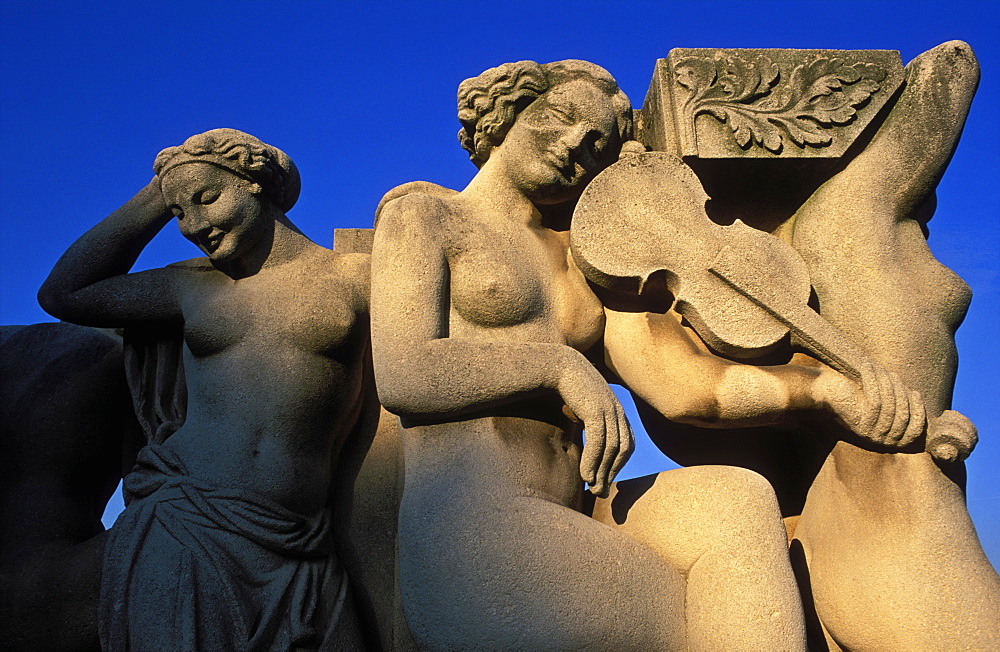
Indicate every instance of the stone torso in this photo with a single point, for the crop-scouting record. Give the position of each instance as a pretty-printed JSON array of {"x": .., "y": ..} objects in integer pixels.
[
  {"x": 515, "y": 283},
  {"x": 507, "y": 283},
  {"x": 247, "y": 425}
]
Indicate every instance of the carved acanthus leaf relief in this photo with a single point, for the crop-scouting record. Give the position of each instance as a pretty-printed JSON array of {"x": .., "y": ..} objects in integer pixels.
[{"x": 762, "y": 106}]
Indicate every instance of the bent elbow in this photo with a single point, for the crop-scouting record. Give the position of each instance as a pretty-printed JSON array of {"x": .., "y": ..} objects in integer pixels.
[
  {"x": 391, "y": 399},
  {"x": 52, "y": 300},
  {"x": 397, "y": 391}
]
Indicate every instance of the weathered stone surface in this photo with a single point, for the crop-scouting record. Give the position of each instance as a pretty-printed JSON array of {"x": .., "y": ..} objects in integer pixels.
[
  {"x": 780, "y": 321},
  {"x": 226, "y": 542},
  {"x": 497, "y": 546},
  {"x": 885, "y": 306},
  {"x": 739, "y": 103}
]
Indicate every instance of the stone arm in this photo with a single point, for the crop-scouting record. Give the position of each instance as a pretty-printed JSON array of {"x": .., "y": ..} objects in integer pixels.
[
  {"x": 906, "y": 159},
  {"x": 660, "y": 361},
  {"x": 424, "y": 374},
  {"x": 90, "y": 284},
  {"x": 874, "y": 211}
]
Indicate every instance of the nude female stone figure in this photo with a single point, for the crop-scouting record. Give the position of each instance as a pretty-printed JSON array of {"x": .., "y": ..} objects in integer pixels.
[
  {"x": 893, "y": 529},
  {"x": 226, "y": 542},
  {"x": 502, "y": 340}
]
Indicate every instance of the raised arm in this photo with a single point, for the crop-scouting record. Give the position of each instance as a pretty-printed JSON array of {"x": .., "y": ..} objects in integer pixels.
[
  {"x": 90, "y": 283},
  {"x": 425, "y": 375},
  {"x": 861, "y": 237},
  {"x": 905, "y": 160}
]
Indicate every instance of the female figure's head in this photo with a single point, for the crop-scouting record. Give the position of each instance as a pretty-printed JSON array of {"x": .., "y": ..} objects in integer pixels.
[
  {"x": 558, "y": 124},
  {"x": 223, "y": 186}
]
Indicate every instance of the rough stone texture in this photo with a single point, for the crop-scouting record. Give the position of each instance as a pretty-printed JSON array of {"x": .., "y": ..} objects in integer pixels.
[
  {"x": 915, "y": 548},
  {"x": 716, "y": 277},
  {"x": 234, "y": 503},
  {"x": 495, "y": 541},
  {"x": 498, "y": 367},
  {"x": 367, "y": 492},
  {"x": 739, "y": 103},
  {"x": 876, "y": 527}
]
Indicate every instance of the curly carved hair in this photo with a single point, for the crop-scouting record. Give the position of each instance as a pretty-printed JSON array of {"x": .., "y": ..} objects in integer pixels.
[
  {"x": 243, "y": 155},
  {"x": 489, "y": 104}
]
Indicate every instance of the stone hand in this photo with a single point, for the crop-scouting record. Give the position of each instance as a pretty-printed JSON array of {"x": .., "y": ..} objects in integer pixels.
[
  {"x": 609, "y": 441},
  {"x": 878, "y": 407},
  {"x": 891, "y": 415}
]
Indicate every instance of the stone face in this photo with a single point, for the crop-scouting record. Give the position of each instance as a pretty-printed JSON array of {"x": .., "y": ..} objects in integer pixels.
[
  {"x": 498, "y": 548},
  {"x": 739, "y": 103}
]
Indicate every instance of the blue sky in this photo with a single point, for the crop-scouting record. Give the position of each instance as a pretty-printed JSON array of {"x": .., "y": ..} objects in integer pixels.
[{"x": 362, "y": 97}]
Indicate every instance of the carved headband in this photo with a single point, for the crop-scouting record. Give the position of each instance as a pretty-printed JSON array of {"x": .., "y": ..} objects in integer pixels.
[{"x": 183, "y": 158}]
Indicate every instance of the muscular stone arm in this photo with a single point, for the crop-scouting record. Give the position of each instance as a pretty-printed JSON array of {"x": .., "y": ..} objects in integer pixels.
[
  {"x": 659, "y": 360},
  {"x": 664, "y": 364}
]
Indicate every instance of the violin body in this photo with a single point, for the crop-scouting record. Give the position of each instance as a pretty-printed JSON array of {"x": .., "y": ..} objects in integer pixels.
[
  {"x": 745, "y": 292},
  {"x": 644, "y": 218}
]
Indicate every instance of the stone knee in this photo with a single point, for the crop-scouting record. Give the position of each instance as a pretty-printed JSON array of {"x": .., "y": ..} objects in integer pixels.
[
  {"x": 736, "y": 494},
  {"x": 687, "y": 513}
]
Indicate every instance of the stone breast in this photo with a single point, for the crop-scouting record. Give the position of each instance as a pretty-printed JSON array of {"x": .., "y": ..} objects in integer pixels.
[
  {"x": 493, "y": 290},
  {"x": 305, "y": 318}
]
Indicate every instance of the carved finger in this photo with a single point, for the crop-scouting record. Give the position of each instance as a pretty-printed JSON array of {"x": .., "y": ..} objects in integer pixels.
[
  {"x": 608, "y": 455},
  {"x": 626, "y": 446},
  {"x": 887, "y": 406},
  {"x": 918, "y": 420},
  {"x": 593, "y": 448},
  {"x": 870, "y": 406},
  {"x": 901, "y": 410}
]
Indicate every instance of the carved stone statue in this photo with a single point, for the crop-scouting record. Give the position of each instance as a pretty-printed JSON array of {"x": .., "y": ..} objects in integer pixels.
[
  {"x": 501, "y": 367},
  {"x": 746, "y": 254},
  {"x": 226, "y": 540},
  {"x": 876, "y": 526}
]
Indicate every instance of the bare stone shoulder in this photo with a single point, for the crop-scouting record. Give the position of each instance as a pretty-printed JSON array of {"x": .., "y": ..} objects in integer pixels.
[
  {"x": 414, "y": 207},
  {"x": 352, "y": 270}
]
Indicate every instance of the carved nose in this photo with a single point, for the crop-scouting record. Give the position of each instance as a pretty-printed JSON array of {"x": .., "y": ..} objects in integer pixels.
[
  {"x": 195, "y": 227},
  {"x": 573, "y": 138},
  {"x": 197, "y": 224}
]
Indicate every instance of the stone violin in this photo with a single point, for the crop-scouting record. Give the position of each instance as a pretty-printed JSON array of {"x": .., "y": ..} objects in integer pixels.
[{"x": 745, "y": 292}]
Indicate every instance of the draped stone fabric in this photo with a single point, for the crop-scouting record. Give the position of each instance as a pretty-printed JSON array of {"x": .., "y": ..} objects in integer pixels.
[
  {"x": 154, "y": 369},
  {"x": 192, "y": 566}
]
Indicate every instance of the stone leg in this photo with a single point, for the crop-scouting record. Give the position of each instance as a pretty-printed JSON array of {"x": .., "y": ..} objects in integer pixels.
[
  {"x": 893, "y": 558},
  {"x": 721, "y": 528},
  {"x": 481, "y": 571}
]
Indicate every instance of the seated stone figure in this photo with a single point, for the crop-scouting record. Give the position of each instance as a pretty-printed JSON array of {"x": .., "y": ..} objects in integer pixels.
[
  {"x": 226, "y": 540},
  {"x": 499, "y": 371}
]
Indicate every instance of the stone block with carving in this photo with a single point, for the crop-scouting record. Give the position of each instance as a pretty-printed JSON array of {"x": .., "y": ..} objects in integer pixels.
[{"x": 769, "y": 103}]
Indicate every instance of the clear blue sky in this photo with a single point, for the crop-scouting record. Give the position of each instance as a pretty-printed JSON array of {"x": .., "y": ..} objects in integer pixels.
[{"x": 362, "y": 97}]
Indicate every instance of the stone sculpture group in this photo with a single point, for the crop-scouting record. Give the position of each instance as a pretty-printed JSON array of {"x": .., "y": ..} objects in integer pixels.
[{"x": 387, "y": 445}]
